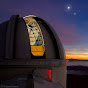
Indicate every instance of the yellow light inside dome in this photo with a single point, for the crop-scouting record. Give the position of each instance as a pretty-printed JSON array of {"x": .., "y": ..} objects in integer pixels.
[{"x": 35, "y": 36}]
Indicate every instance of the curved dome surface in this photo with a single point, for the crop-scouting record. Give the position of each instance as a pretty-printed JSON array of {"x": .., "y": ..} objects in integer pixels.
[
  {"x": 29, "y": 37},
  {"x": 52, "y": 46}
]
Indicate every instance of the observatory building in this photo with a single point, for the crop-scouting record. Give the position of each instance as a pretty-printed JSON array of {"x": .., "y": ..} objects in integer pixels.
[{"x": 31, "y": 54}]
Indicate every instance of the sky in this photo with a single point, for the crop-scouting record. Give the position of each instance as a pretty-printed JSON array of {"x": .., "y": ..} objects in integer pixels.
[{"x": 69, "y": 18}]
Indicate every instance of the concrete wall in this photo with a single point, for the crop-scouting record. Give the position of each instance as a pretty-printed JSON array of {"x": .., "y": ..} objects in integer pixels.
[{"x": 60, "y": 74}]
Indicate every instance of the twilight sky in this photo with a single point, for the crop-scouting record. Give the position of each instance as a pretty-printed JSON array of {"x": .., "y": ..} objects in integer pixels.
[{"x": 69, "y": 18}]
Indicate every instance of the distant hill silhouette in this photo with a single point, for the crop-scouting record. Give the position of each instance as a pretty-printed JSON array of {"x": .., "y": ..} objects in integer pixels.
[
  {"x": 78, "y": 68},
  {"x": 75, "y": 60}
]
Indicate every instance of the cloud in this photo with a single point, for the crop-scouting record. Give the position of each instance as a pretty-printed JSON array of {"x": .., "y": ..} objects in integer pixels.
[
  {"x": 68, "y": 33},
  {"x": 76, "y": 51},
  {"x": 77, "y": 56}
]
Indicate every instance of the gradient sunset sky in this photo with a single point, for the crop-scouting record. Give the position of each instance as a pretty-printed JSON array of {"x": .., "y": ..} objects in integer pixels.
[{"x": 69, "y": 18}]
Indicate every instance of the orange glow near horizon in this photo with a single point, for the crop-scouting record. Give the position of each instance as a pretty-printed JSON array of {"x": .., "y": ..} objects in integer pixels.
[{"x": 77, "y": 56}]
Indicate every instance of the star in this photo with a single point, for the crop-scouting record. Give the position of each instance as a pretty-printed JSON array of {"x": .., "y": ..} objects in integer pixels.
[
  {"x": 74, "y": 13},
  {"x": 68, "y": 7}
]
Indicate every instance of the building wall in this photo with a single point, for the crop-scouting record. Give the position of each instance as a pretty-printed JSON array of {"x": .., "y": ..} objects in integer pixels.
[{"x": 60, "y": 74}]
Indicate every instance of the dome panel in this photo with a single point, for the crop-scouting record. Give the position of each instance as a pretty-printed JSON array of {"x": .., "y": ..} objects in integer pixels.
[{"x": 54, "y": 48}]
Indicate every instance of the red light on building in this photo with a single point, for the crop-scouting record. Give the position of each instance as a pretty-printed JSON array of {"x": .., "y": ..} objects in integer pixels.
[{"x": 49, "y": 75}]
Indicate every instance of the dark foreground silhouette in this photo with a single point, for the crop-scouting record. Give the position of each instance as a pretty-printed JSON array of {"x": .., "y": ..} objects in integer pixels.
[{"x": 77, "y": 77}]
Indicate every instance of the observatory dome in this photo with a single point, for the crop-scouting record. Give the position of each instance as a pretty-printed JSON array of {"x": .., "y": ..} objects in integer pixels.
[
  {"x": 29, "y": 46},
  {"x": 29, "y": 37}
]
